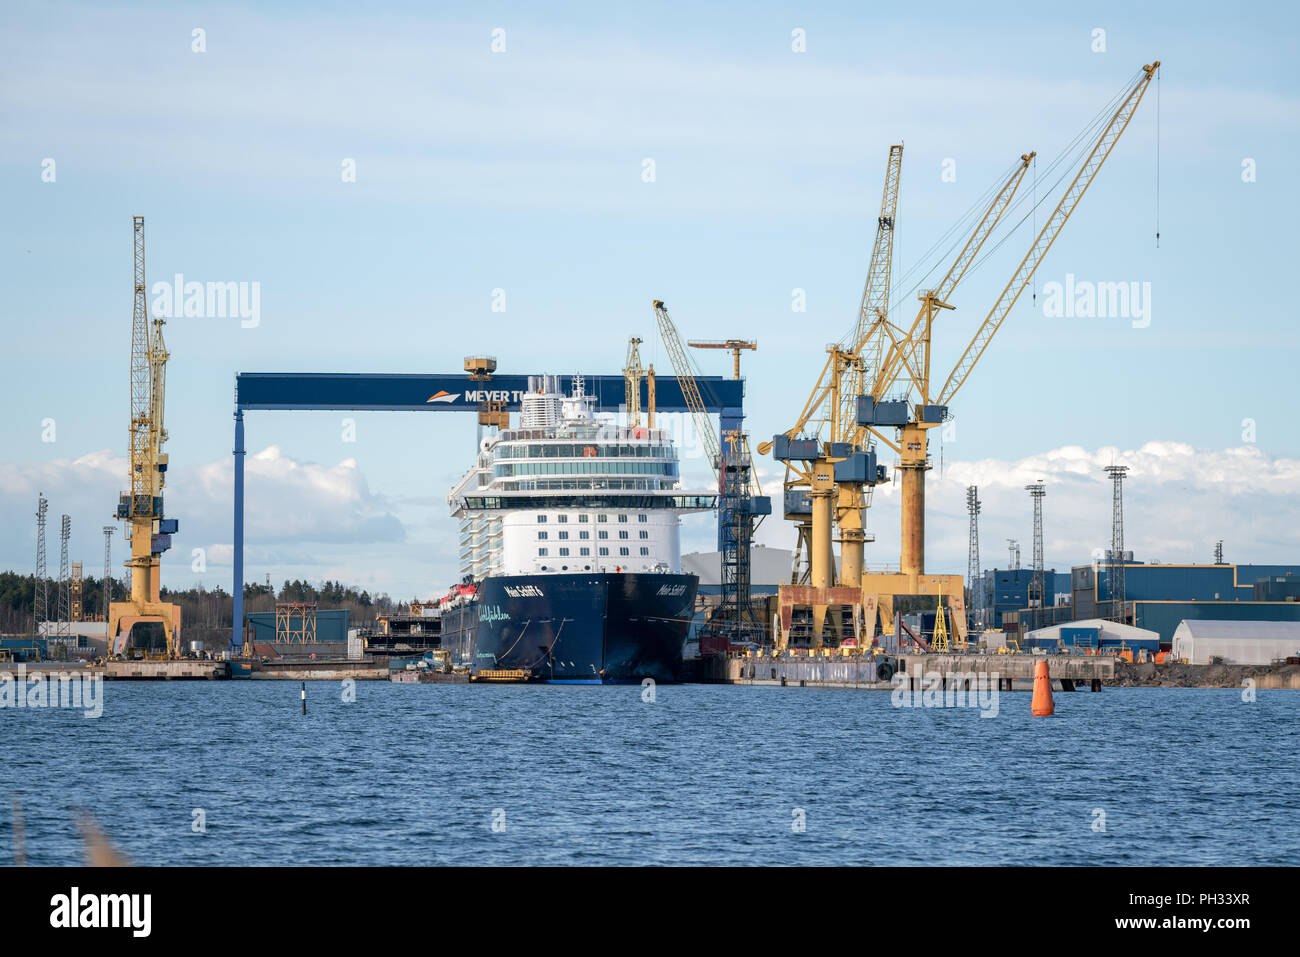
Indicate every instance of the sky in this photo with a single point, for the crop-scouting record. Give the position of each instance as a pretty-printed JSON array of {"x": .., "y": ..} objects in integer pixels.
[{"x": 386, "y": 178}]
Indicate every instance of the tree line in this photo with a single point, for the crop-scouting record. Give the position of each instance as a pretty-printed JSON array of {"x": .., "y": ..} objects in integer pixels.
[{"x": 206, "y": 615}]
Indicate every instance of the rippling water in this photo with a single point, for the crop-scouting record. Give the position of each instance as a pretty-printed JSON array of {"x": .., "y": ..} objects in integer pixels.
[{"x": 414, "y": 774}]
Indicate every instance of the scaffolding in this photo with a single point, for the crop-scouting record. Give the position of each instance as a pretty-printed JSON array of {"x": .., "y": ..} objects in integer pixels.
[
  {"x": 295, "y": 622},
  {"x": 74, "y": 594}
]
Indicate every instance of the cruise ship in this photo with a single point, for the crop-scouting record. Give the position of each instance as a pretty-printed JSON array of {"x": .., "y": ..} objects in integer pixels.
[{"x": 570, "y": 548}]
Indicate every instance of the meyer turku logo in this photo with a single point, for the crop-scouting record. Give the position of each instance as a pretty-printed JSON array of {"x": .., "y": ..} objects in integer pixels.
[
  {"x": 74, "y": 910},
  {"x": 478, "y": 395}
]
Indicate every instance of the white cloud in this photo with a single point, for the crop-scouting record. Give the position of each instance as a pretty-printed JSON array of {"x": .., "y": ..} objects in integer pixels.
[
  {"x": 302, "y": 506},
  {"x": 308, "y": 520},
  {"x": 1178, "y": 500}
]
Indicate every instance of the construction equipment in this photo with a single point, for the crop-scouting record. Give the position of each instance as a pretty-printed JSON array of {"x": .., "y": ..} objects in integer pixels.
[
  {"x": 734, "y": 346},
  {"x": 908, "y": 359},
  {"x": 741, "y": 509},
  {"x": 939, "y": 642},
  {"x": 632, "y": 373},
  {"x": 492, "y": 413},
  {"x": 819, "y": 452},
  {"x": 75, "y": 586},
  {"x": 141, "y": 509}
]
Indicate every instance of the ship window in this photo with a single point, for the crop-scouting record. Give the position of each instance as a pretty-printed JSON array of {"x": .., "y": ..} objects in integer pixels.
[
  {"x": 541, "y": 552},
  {"x": 541, "y": 519},
  {"x": 584, "y": 551},
  {"x": 645, "y": 551},
  {"x": 602, "y": 518},
  {"x": 564, "y": 552},
  {"x": 604, "y": 551},
  {"x": 584, "y": 534},
  {"x": 564, "y": 535},
  {"x": 622, "y": 518},
  {"x": 644, "y": 533},
  {"x": 603, "y": 534},
  {"x": 622, "y": 551},
  {"x": 582, "y": 518},
  {"x": 642, "y": 518},
  {"x": 561, "y": 518},
  {"x": 622, "y": 534}
]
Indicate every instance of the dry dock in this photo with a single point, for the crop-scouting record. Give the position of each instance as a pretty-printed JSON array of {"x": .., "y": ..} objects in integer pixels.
[
  {"x": 182, "y": 669},
  {"x": 1006, "y": 672},
  {"x": 319, "y": 669}
]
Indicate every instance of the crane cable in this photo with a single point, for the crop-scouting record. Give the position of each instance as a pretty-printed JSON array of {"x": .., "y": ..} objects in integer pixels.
[
  {"x": 1157, "y": 159},
  {"x": 1074, "y": 152}
]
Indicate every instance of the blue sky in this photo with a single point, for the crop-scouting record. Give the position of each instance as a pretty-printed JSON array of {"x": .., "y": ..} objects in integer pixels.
[{"x": 522, "y": 171}]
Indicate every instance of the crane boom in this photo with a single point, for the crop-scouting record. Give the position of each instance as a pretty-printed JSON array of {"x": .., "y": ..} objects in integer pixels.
[
  {"x": 686, "y": 376},
  {"x": 141, "y": 429},
  {"x": 739, "y": 510},
  {"x": 875, "y": 303},
  {"x": 1051, "y": 229},
  {"x": 632, "y": 373},
  {"x": 902, "y": 352}
]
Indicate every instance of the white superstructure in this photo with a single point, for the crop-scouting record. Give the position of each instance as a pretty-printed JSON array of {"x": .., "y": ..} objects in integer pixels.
[{"x": 566, "y": 492}]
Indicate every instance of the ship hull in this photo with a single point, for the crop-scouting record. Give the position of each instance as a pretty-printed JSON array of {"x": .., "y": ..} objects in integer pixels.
[{"x": 579, "y": 628}]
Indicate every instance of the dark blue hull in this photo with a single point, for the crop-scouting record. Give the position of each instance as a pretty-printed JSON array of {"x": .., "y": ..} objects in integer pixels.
[{"x": 580, "y": 628}]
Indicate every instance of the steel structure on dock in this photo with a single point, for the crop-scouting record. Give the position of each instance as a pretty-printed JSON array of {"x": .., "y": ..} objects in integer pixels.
[{"x": 360, "y": 392}]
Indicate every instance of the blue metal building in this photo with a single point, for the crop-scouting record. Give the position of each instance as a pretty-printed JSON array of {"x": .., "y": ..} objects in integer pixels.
[
  {"x": 1159, "y": 597},
  {"x": 1007, "y": 590}
]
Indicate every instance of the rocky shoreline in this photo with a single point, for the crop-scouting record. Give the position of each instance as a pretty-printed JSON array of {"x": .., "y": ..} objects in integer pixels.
[{"x": 1202, "y": 676}]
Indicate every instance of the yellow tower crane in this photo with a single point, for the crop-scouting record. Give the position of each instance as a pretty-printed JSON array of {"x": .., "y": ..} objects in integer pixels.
[
  {"x": 734, "y": 346},
  {"x": 141, "y": 509},
  {"x": 813, "y": 466},
  {"x": 632, "y": 373}
]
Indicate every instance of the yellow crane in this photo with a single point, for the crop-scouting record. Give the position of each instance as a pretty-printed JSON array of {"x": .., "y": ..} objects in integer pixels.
[
  {"x": 908, "y": 359},
  {"x": 814, "y": 466},
  {"x": 632, "y": 373},
  {"x": 141, "y": 509},
  {"x": 734, "y": 346},
  {"x": 880, "y": 354}
]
